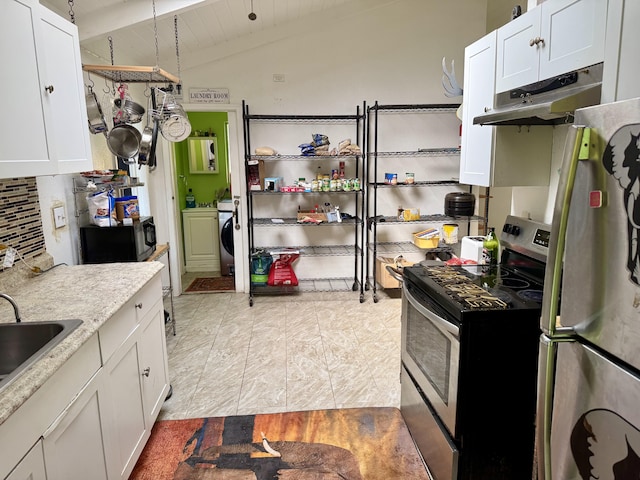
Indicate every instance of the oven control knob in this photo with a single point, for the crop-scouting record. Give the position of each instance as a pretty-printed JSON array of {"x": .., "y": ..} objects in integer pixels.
[{"x": 511, "y": 229}]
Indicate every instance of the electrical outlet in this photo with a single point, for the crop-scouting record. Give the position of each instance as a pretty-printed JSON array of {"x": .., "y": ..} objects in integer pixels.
[
  {"x": 59, "y": 217},
  {"x": 9, "y": 257}
]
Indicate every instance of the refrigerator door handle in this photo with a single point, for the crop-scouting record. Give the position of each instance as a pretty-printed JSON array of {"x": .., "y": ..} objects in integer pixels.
[{"x": 578, "y": 141}]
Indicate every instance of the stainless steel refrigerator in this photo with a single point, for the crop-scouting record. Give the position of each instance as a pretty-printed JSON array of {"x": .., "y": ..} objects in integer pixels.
[{"x": 588, "y": 422}]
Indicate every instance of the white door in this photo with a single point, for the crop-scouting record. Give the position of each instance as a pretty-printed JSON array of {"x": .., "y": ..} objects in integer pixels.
[
  {"x": 123, "y": 381},
  {"x": 68, "y": 132},
  {"x": 23, "y": 137},
  {"x": 153, "y": 364},
  {"x": 479, "y": 84},
  {"x": 74, "y": 446},
  {"x": 517, "y": 57},
  {"x": 31, "y": 467},
  {"x": 573, "y": 33}
]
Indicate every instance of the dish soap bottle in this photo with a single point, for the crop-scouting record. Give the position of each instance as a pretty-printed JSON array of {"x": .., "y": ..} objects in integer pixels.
[
  {"x": 490, "y": 248},
  {"x": 191, "y": 199}
]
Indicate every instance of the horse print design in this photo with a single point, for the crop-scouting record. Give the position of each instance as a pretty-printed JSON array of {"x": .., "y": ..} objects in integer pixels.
[
  {"x": 605, "y": 446},
  {"x": 621, "y": 159}
]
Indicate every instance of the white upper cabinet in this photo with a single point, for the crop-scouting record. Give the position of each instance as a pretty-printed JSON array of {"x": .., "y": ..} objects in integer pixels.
[
  {"x": 68, "y": 133},
  {"x": 621, "y": 66},
  {"x": 556, "y": 37},
  {"x": 477, "y": 140},
  {"x": 497, "y": 156},
  {"x": 45, "y": 129}
]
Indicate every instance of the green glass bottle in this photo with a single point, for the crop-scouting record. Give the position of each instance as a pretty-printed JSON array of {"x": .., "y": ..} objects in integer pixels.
[{"x": 490, "y": 248}]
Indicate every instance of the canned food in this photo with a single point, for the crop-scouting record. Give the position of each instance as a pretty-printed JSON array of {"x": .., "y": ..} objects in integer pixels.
[
  {"x": 409, "y": 178},
  {"x": 347, "y": 185},
  {"x": 391, "y": 178},
  {"x": 355, "y": 182}
]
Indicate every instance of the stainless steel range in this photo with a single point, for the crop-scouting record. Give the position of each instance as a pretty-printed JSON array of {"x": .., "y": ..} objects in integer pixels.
[{"x": 469, "y": 359}]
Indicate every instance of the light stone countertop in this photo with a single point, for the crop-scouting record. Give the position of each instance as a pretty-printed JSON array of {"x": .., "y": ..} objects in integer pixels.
[{"x": 91, "y": 293}]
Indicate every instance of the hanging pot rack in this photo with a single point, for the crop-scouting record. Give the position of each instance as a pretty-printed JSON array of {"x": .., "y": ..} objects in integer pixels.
[
  {"x": 132, "y": 73},
  {"x": 136, "y": 74}
]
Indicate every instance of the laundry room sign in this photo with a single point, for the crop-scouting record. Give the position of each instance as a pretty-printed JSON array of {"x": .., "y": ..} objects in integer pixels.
[{"x": 208, "y": 95}]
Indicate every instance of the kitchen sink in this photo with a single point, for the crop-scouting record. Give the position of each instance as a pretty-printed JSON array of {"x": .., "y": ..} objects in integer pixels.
[{"x": 23, "y": 344}]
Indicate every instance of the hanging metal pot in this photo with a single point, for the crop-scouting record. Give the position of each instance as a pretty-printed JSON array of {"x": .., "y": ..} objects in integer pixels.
[
  {"x": 132, "y": 112},
  {"x": 124, "y": 141}
]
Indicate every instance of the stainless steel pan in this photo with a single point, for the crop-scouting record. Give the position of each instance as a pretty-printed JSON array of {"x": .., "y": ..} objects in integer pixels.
[
  {"x": 124, "y": 141},
  {"x": 147, "y": 139}
]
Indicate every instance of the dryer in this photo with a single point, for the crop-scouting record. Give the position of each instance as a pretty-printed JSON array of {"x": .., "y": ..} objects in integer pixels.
[{"x": 225, "y": 224}]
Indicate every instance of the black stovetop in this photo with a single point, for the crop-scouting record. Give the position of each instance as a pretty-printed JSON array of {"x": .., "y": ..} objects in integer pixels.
[{"x": 463, "y": 289}]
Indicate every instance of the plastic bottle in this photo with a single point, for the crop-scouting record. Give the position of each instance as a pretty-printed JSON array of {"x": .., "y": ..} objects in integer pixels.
[
  {"x": 490, "y": 248},
  {"x": 191, "y": 199}
]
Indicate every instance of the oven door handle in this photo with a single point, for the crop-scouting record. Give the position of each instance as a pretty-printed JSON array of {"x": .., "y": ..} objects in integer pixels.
[{"x": 438, "y": 321}]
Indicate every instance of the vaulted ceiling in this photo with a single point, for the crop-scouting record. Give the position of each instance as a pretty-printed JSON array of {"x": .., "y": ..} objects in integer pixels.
[{"x": 207, "y": 29}]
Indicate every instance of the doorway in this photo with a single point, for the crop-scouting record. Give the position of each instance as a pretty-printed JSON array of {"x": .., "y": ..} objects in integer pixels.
[{"x": 170, "y": 189}]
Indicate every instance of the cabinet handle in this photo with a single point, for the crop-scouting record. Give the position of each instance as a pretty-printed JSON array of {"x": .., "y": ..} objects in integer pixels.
[
  {"x": 146, "y": 372},
  {"x": 486, "y": 109},
  {"x": 49, "y": 88},
  {"x": 139, "y": 305},
  {"x": 536, "y": 41}
]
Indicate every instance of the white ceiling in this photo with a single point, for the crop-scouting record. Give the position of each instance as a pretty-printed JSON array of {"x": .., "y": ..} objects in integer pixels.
[{"x": 207, "y": 29}]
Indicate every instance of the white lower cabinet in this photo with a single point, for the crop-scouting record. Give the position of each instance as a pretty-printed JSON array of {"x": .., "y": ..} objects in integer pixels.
[
  {"x": 74, "y": 445},
  {"x": 136, "y": 376},
  {"x": 93, "y": 417},
  {"x": 201, "y": 244},
  {"x": 152, "y": 348},
  {"x": 31, "y": 467}
]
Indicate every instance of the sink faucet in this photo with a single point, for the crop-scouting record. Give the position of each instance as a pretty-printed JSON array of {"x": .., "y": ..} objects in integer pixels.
[{"x": 13, "y": 303}]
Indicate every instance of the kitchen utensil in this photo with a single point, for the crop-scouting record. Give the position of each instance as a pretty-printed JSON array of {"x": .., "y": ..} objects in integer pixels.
[
  {"x": 457, "y": 204},
  {"x": 146, "y": 140},
  {"x": 176, "y": 128},
  {"x": 97, "y": 123},
  {"x": 124, "y": 141},
  {"x": 132, "y": 111}
]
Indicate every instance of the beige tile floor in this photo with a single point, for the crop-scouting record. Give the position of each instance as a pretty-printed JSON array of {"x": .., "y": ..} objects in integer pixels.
[{"x": 286, "y": 353}]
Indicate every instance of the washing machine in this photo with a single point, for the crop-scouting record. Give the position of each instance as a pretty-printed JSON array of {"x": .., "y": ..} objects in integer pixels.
[{"x": 225, "y": 224}]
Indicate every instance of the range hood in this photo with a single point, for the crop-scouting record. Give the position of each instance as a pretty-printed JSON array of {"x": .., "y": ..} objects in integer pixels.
[{"x": 548, "y": 102}]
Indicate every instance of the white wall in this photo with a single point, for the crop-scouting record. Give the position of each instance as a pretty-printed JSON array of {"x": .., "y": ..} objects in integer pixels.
[{"x": 391, "y": 54}]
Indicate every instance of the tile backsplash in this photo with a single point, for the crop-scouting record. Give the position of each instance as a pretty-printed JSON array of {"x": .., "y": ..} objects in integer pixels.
[{"x": 20, "y": 227}]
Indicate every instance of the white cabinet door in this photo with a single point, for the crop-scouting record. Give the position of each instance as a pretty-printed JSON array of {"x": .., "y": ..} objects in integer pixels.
[
  {"x": 127, "y": 426},
  {"x": 23, "y": 137},
  {"x": 621, "y": 66},
  {"x": 153, "y": 364},
  {"x": 45, "y": 129},
  {"x": 477, "y": 140},
  {"x": 31, "y": 467},
  {"x": 136, "y": 375},
  {"x": 557, "y": 37},
  {"x": 503, "y": 156},
  {"x": 74, "y": 447},
  {"x": 68, "y": 132},
  {"x": 201, "y": 243},
  {"x": 517, "y": 60},
  {"x": 573, "y": 33}
]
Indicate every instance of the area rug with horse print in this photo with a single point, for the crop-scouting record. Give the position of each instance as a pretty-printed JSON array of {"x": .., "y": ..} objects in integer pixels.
[{"x": 342, "y": 444}]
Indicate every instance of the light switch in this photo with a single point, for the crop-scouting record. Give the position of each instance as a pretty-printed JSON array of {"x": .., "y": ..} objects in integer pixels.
[{"x": 59, "y": 217}]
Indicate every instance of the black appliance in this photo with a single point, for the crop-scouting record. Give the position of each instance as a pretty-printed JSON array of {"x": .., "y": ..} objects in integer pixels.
[
  {"x": 469, "y": 359},
  {"x": 124, "y": 243}
]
